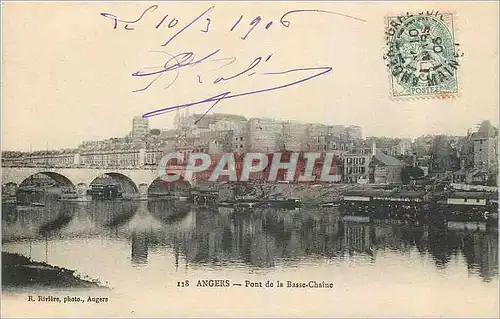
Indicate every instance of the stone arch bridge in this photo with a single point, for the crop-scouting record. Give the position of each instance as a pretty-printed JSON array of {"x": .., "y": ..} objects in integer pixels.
[{"x": 132, "y": 181}]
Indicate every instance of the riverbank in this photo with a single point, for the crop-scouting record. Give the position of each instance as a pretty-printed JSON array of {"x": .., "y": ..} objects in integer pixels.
[
  {"x": 20, "y": 271},
  {"x": 310, "y": 195}
]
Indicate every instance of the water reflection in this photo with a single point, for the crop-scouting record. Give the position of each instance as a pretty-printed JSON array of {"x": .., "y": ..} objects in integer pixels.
[
  {"x": 254, "y": 239},
  {"x": 140, "y": 242},
  {"x": 62, "y": 219},
  {"x": 168, "y": 211}
]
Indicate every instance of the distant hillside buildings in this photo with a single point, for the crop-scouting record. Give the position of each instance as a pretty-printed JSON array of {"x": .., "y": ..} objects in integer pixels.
[
  {"x": 472, "y": 158},
  {"x": 264, "y": 134}
]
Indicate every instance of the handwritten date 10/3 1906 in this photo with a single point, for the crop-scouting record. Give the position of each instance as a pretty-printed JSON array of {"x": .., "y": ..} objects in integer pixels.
[
  {"x": 171, "y": 22},
  {"x": 175, "y": 62}
]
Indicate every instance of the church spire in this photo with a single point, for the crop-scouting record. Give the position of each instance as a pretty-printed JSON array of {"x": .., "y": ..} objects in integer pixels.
[{"x": 177, "y": 119}]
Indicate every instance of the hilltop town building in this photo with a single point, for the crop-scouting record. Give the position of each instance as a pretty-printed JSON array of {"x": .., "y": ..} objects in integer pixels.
[
  {"x": 140, "y": 127},
  {"x": 294, "y": 136},
  {"x": 264, "y": 135},
  {"x": 485, "y": 147}
]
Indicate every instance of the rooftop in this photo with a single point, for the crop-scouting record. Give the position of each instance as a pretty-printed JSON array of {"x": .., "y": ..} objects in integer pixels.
[
  {"x": 386, "y": 159},
  {"x": 485, "y": 130}
]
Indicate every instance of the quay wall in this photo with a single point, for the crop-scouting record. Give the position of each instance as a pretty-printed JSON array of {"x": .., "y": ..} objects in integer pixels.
[{"x": 310, "y": 195}]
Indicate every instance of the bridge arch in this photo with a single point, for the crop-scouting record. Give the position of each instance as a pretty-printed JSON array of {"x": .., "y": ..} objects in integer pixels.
[
  {"x": 136, "y": 180},
  {"x": 64, "y": 182},
  {"x": 126, "y": 184},
  {"x": 159, "y": 187},
  {"x": 124, "y": 180}
]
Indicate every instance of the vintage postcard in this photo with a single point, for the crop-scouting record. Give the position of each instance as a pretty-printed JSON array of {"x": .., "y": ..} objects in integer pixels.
[{"x": 250, "y": 159}]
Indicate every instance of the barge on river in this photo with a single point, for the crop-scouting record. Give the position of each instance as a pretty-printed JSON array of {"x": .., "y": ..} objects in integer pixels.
[
  {"x": 202, "y": 197},
  {"x": 384, "y": 204},
  {"x": 101, "y": 191},
  {"x": 467, "y": 207},
  {"x": 454, "y": 206},
  {"x": 289, "y": 203}
]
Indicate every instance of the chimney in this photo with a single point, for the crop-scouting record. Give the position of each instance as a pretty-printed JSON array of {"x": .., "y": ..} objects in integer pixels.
[{"x": 374, "y": 148}]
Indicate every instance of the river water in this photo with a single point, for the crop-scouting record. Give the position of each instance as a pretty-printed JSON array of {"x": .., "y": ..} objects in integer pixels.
[{"x": 146, "y": 251}]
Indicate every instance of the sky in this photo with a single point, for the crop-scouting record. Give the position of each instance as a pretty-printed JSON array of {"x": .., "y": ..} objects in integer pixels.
[{"x": 68, "y": 74}]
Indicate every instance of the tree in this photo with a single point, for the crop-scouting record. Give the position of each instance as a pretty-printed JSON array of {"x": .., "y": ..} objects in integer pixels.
[
  {"x": 492, "y": 180},
  {"x": 155, "y": 132},
  {"x": 411, "y": 173},
  {"x": 443, "y": 156}
]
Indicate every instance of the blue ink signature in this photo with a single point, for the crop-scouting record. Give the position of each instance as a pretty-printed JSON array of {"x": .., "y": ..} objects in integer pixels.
[
  {"x": 179, "y": 61},
  {"x": 176, "y": 62},
  {"x": 229, "y": 95}
]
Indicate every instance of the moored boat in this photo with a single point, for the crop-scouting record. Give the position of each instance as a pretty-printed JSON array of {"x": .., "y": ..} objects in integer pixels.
[
  {"x": 385, "y": 204},
  {"x": 462, "y": 206},
  {"x": 101, "y": 191},
  {"x": 478, "y": 226}
]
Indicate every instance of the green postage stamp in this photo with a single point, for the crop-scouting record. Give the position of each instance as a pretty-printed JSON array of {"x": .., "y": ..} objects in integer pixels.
[{"x": 422, "y": 55}]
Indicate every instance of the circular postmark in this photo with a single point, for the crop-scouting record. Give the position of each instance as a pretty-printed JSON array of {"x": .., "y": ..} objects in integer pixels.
[{"x": 422, "y": 56}]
